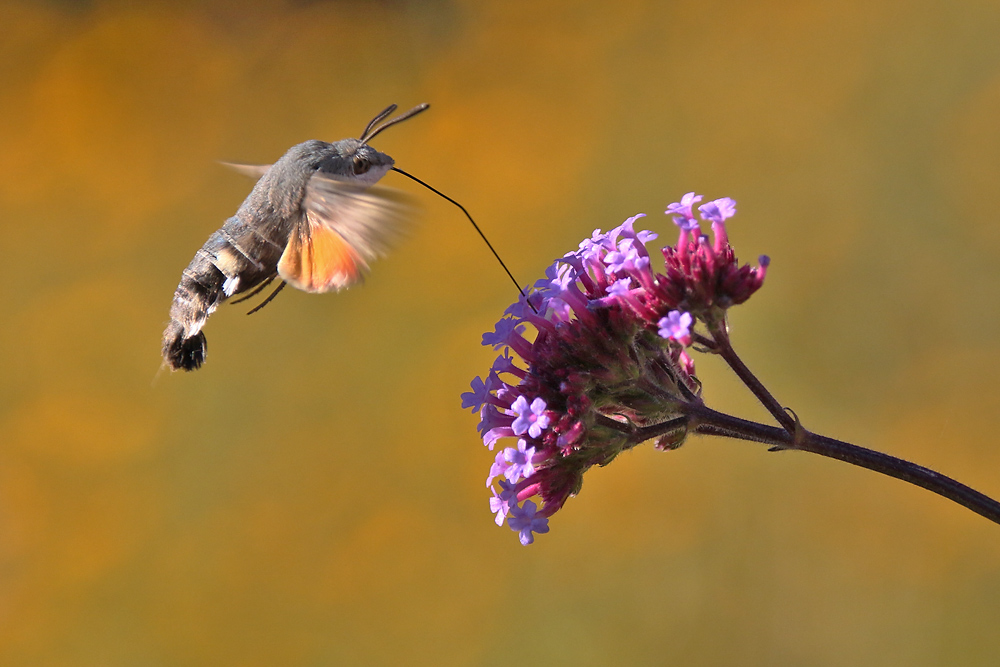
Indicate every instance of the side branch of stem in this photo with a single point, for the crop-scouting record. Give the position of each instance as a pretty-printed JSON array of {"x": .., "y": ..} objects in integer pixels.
[{"x": 725, "y": 350}]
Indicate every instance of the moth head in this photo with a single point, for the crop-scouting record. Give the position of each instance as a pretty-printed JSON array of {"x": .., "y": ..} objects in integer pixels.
[
  {"x": 353, "y": 159},
  {"x": 350, "y": 160},
  {"x": 367, "y": 164},
  {"x": 364, "y": 163}
]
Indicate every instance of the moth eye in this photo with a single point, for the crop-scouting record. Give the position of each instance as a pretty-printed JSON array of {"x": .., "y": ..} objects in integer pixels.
[{"x": 361, "y": 165}]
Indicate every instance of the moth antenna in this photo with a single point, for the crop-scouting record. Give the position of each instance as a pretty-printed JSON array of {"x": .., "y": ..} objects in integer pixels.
[
  {"x": 485, "y": 240},
  {"x": 257, "y": 290},
  {"x": 377, "y": 119},
  {"x": 269, "y": 298},
  {"x": 370, "y": 133}
]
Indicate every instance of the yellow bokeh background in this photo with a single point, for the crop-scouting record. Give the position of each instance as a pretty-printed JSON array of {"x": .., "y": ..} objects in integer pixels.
[{"x": 314, "y": 495}]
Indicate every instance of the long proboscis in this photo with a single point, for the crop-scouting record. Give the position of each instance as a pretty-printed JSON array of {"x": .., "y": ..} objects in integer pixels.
[
  {"x": 476, "y": 227},
  {"x": 370, "y": 133}
]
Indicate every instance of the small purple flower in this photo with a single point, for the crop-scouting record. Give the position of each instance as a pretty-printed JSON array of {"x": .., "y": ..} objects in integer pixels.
[
  {"x": 493, "y": 425},
  {"x": 498, "y": 468},
  {"x": 718, "y": 210},
  {"x": 523, "y": 521},
  {"x": 480, "y": 393},
  {"x": 505, "y": 329},
  {"x": 500, "y": 502},
  {"x": 505, "y": 364},
  {"x": 686, "y": 224},
  {"x": 645, "y": 236},
  {"x": 676, "y": 326},
  {"x": 592, "y": 247},
  {"x": 519, "y": 461},
  {"x": 559, "y": 310},
  {"x": 617, "y": 288},
  {"x": 530, "y": 419},
  {"x": 491, "y": 436},
  {"x": 683, "y": 215},
  {"x": 559, "y": 277},
  {"x": 551, "y": 273},
  {"x": 625, "y": 230},
  {"x": 622, "y": 259},
  {"x": 516, "y": 311}
]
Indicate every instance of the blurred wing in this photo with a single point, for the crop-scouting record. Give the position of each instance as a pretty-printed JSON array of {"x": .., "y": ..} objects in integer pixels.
[
  {"x": 254, "y": 171},
  {"x": 345, "y": 226}
]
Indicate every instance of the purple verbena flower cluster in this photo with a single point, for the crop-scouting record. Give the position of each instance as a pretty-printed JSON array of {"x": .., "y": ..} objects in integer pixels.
[{"x": 610, "y": 350}]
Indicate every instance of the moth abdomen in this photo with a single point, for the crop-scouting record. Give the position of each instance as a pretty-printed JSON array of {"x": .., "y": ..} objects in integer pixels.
[
  {"x": 224, "y": 266},
  {"x": 180, "y": 352}
]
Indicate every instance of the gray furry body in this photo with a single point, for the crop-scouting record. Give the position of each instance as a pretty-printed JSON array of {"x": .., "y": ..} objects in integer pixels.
[{"x": 243, "y": 254}]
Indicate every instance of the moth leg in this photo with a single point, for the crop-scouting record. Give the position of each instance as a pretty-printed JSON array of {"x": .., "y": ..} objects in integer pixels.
[
  {"x": 268, "y": 299},
  {"x": 257, "y": 290}
]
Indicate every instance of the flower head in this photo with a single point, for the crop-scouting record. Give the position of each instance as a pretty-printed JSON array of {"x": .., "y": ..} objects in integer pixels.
[{"x": 609, "y": 356}]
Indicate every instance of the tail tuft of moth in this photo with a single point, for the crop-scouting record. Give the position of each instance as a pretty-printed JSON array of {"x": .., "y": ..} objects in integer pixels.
[{"x": 182, "y": 353}]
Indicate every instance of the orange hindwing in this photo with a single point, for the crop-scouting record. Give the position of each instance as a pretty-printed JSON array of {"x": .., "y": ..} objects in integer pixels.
[{"x": 318, "y": 259}]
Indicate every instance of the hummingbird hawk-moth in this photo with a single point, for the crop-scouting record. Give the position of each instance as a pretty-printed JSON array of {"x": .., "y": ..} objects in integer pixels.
[{"x": 312, "y": 220}]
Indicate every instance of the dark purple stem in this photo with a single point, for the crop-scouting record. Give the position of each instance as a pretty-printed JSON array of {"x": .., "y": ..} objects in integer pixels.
[
  {"x": 725, "y": 349},
  {"x": 710, "y": 422}
]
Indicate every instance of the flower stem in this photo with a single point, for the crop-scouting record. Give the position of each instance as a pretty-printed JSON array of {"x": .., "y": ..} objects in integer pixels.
[
  {"x": 725, "y": 349},
  {"x": 717, "y": 423}
]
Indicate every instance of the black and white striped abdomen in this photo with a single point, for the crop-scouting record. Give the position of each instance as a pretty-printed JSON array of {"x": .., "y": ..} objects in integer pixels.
[{"x": 234, "y": 259}]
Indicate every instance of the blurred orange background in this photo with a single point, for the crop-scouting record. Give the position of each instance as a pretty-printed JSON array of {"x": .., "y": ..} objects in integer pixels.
[{"x": 315, "y": 496}]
